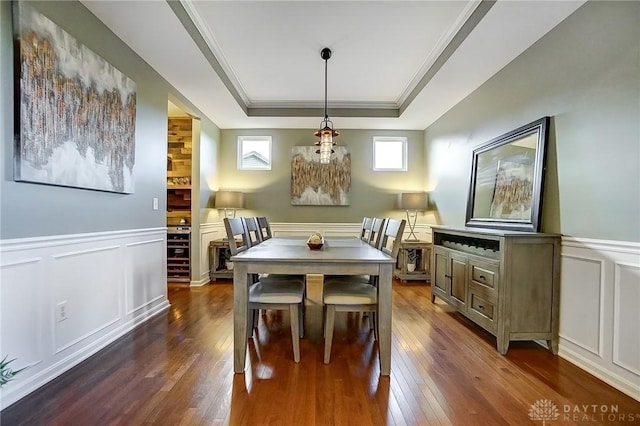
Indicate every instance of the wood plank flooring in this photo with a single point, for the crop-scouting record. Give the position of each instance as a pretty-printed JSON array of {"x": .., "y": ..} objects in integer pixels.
[{"x": 177, "y": 369}]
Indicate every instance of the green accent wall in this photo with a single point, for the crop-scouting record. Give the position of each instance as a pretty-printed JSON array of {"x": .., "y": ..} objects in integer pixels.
[
  {"x": 28, "y": 209},
  {"x": 585, "y": 74},
  {"x": 372, "y": 193}
]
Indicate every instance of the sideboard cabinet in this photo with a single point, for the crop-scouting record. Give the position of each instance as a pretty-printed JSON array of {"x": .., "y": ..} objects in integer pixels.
[{"x": 505, "y": 281}]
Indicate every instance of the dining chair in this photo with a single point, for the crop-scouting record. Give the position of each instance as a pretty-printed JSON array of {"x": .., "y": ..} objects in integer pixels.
[
  {"x": 365, "y": 230},
  {"x": 252, "y": 228},
  {"x": 373, "y": 227},
  {"x": 355, "y": 295},
  {"x": 271, "y": 293},
  {"x": 265, "y": 227},
  {"x": 376, "y": 227},
  {"x": 256, "y": 236}
]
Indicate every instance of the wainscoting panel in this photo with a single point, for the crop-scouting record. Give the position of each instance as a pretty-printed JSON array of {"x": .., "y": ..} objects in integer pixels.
[
  {"x": 63, "y": 298},
  {"x": 87, "y": 285},
  {"x": 599, "y": 315},
  {"x": 626, "y": 319},
  {"x": 582, "y": 279},
  {"x": 145, "y": 282},
  {"x": 25, "y": 324}
]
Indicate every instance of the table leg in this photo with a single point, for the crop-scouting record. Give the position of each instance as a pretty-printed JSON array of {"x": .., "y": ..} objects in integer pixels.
[
  {"x": 384, "y": 317},
  {"x": 240, "y": 306}
]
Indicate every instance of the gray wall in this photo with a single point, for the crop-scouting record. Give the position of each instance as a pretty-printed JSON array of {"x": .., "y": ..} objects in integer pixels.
[
  {"x": 372, "y": 193},
  {"x": 585, "y": 74},
  {"x": 37, "y": 210}
]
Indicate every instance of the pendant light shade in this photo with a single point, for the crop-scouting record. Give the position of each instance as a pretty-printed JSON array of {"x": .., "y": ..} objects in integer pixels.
[{"x": 326, "y": 132}]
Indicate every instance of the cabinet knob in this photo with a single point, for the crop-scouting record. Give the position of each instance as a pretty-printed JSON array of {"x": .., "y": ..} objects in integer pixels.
[
  {"x": 481, "y": 307},
  {"x": 482, "y": 277},
  {"x": 447, "y": 276}
]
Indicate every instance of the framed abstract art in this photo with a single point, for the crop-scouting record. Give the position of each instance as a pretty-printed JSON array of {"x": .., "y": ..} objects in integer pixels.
[
  {"x": 75, "y": 113},
  {"x": 316, "y": 184}
]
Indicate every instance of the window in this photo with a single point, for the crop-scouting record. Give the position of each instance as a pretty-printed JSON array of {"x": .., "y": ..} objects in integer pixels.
[
  {"x": 390, "y": 153},
  {"x": 254, "y": 152}
]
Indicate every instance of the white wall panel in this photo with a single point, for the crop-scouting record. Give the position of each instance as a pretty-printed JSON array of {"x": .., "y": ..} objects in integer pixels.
[
  {"x": 600, "y": 302},
  {"x": 581, "y": 323},
  {"x": 24, "y": 326},
  {"x": 626, "y": 317},
  {"x": 145, "y": 282},
  {"x": 89, "y": 283},
  {"x": 90, "y": 273}
]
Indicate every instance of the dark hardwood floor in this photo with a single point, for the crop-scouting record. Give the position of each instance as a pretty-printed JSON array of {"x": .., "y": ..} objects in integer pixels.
[{"x": 177, "y": 369}]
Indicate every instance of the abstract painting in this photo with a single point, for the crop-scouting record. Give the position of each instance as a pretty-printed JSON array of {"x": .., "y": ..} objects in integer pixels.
[
  {"x": 75, "y": 113},
  {"x": 316, "y": 184}
]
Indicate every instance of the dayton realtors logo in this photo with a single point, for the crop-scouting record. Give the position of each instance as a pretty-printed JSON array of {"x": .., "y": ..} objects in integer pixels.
[{"x": 545, "y": 410}]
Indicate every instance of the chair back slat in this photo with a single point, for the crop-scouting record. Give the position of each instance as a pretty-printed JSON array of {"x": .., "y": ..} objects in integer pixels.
[
  {"x": 392, "y": 236},
  {"x": 254, "y": 236},
  {"x": 365, "y": 231},
  {"x": 236, "y": 234},
  {"x": 377, "y": 226},
  {"x": 264, "y": 227}
]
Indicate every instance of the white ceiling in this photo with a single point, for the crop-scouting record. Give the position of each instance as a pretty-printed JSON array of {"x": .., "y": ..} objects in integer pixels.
[{"x": 395, "y": 64}]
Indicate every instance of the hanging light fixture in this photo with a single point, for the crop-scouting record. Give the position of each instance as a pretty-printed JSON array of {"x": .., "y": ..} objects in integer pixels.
[{"x": 326, "y": 132}]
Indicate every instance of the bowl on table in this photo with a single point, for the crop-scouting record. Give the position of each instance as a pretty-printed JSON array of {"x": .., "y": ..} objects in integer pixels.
[{"x": 315, "y": 241}]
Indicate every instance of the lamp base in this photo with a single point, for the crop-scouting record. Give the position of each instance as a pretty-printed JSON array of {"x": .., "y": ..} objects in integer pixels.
[{"x": 412, "y": 225}]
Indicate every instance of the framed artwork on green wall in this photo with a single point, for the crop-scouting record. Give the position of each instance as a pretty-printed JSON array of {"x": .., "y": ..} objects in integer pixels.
[
  {"x": 75, "y": 112},
  {"x": 316, "y": 184}
]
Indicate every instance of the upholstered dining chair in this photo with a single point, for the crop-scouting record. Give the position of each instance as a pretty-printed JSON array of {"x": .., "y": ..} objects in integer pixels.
[
  {"x": 356, "y": 295},
  {"x": 269, "y": 293}
]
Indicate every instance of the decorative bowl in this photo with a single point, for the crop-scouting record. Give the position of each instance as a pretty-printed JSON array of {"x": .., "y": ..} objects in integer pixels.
[{"x": 315, "y": 245}]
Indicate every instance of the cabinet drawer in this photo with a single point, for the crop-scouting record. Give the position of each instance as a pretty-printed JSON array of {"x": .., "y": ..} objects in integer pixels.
[
  {"x": 482, "y": 311},
  {"x": 484, "y": 273}
]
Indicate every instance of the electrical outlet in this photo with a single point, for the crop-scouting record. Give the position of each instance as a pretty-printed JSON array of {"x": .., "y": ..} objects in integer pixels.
[
  {"x": 155, "y": 203},
  {"x": 62, "y": 311}
]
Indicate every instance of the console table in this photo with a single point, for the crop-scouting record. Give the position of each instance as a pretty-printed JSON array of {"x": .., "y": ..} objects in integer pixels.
[
  {"x": 219, "y": 254},
  {"x": 418, "y": 253}
]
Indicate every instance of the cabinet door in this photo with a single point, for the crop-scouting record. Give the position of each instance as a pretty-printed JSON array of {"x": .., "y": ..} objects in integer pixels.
[
  {"x": 440, "y": 273},
  {"x": 458, "y": 276}
]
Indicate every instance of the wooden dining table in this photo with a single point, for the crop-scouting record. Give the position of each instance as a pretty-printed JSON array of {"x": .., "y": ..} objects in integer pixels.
[{"x": 290, "y": 255}]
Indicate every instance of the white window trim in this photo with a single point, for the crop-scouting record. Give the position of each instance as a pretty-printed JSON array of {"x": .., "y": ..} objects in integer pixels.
[
  {"x": 242, "y": 139},
  {"x": 402, "y": 139}
]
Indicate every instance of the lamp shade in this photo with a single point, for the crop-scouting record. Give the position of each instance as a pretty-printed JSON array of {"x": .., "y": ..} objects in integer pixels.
[
  {"x": 229, "y": 200},
  {"x": 412, "y": 201}
]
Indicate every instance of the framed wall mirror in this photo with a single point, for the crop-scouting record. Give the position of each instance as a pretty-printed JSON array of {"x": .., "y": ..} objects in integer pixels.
[{"x": 507, "y": 177}]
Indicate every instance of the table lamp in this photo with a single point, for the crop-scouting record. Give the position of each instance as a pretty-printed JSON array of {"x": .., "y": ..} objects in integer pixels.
[
  {"x": 412, "y": 203},
  {"x": 229, "y": 200}
]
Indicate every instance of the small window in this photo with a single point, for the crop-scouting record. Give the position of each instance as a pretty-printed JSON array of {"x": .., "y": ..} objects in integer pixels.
[
  {"x": 254, "y": 152},
  {"x": 390, "y": 153}
]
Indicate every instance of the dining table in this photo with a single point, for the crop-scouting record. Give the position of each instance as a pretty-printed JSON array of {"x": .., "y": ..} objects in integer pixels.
[{"x": 291, "y": 255}]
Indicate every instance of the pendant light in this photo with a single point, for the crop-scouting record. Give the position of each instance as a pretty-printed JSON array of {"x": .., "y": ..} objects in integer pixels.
[{"x": 326, "y": 132}]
